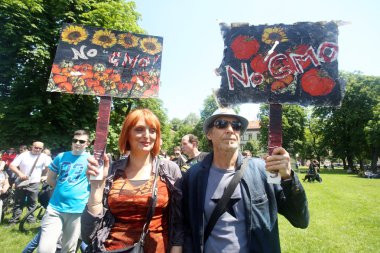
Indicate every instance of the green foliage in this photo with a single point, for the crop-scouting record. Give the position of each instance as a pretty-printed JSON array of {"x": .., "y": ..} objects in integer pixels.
[
  {"x": 315, "y": 145},
  {"x": 344, "y": 128},
  {"x": 293, "y": 127},
  {"x": 118, "y": 15},
  {"x": 180, "y": 128},
  {"x": 177, "y": 137},
  {"x": 28, "y": 40},
  {"x": 349, "y": 132},
  {"x": 209, "y": 106},
  {"x": 192, "y": 119},
  {"x": 254, "y": 147}
]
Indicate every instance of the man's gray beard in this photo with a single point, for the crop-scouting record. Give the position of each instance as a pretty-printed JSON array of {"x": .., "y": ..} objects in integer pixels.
[{"x": 229, "y": 148}]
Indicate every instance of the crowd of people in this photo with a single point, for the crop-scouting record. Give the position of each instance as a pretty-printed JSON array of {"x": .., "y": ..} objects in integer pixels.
[{"x": 194, "y": 201}]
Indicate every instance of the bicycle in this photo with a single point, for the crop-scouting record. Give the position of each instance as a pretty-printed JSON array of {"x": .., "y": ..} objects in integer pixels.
[{"x": 38, "y": 211}]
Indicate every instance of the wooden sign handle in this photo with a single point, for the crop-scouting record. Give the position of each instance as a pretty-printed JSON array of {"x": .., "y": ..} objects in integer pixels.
[
  {"x": 274, "y": 137},
  {"x": 102, "y": 132},
  {"x": 275, "y": 127}
]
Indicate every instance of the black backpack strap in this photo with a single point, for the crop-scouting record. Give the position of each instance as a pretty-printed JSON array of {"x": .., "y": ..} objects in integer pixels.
[{"x": 220, "y": 207}]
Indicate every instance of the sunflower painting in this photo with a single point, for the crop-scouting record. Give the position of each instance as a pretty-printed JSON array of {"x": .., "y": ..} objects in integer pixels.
[
  {"x": 128, "y": 40},
  {"x": 104, "y": 62},
  {"x": 150, "y": 46},
  {"x": 104, "y": 38},
  {"x": 74, "y": 34},
  {"x": 273, "y": 34}
]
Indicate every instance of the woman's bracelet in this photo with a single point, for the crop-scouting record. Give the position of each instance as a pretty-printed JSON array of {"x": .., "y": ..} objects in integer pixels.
[{"x": 94, "y": 204}]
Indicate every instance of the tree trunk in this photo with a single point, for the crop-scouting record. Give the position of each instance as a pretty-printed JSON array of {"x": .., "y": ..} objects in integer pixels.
[
  {"x": 350, "y": 162},
  {"x": 361, "y": 164},
  {"x": 374, "y": 160}
]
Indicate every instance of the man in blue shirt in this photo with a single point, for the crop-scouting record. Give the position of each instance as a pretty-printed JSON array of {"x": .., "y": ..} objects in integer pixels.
[{"x": 67, "y": 174}]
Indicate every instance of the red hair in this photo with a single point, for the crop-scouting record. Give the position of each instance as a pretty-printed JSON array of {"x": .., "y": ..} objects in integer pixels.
[{"x": 131, "y": 120}]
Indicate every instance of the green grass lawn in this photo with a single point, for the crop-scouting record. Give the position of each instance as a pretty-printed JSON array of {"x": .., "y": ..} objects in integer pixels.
[
  {"x": 344, "y": 217},
  {"x": 12, "y": 240}
]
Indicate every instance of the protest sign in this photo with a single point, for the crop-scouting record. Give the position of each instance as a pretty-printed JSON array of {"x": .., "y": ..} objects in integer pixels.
[
  {"x": 106, "y": 63},
  {"x": 279, "y": 64},
  {"x": 103, "y": 62}
]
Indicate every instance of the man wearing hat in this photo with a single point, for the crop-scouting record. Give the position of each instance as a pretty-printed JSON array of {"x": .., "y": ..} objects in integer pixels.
[{"x": 248, "y": 221}]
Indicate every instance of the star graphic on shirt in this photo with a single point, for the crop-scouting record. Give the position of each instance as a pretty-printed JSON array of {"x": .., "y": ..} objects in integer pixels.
[{"x": 229, "y": 206}]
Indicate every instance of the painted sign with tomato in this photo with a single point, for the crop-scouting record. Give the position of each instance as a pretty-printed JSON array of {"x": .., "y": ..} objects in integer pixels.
[
  {"x": 103, "y": 62},
  {"x": 281, "y": 64}
]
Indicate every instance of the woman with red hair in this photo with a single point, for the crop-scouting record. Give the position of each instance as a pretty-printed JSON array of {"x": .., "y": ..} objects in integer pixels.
[{"x": 117, "y": 207}]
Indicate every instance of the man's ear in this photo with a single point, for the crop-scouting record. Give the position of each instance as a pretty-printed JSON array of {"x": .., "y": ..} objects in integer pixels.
[{"x": 208, "y": 135}]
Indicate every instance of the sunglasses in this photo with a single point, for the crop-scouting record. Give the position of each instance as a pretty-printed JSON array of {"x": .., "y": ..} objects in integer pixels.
[
  {"x": 222, "y": 124},
  {"x": 80, "y": 141}
]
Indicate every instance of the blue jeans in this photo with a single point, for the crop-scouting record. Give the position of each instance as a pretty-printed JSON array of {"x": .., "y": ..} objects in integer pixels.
[{"x": 32, "y": 245}]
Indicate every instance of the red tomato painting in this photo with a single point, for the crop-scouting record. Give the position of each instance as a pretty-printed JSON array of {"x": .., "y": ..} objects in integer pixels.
[
  {"x": 316, "y": 83},
  {"x": 244, "y": 47},
  {"x": 258, "y": 64}
]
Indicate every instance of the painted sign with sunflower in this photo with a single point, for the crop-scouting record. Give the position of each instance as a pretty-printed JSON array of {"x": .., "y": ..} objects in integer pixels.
[
  {"x": 103, "y": 62},
  {"x": 281, "y": 64}
]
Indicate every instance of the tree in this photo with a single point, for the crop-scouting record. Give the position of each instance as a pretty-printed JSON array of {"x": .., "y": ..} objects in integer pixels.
[
  {"x": 372, "y": 132},
  {"x": 209, "y": 106},
  {"x": 28, "y": 41},
  {"x": 344, "y": 132},
  {"x": 176, "y": 124},
  {"x": 177, "y": 136},
  {"x": 315, "y": 146},
  {"x": 179, "y": 128},
  {"x": 293, "y": 126},
  {"x": 253, "y": 146},
  {"x": 192, "y": 119},
  {"x": 372, "y": 129}
]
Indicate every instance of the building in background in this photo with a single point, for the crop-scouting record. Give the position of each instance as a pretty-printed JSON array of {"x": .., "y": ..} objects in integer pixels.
[{"x": 252, "y": 133}]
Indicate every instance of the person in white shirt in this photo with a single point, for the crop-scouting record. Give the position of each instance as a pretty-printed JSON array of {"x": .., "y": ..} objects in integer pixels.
[{"x": 22, "y": 166}]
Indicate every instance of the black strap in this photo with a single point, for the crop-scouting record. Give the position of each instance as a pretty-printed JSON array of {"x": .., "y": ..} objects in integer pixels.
[
  {"x": 152, "y": 207},
  {"x": 220, "y": 207},
  {"x": 18, "y": 180},
  {"x": 34, "y": 165}
]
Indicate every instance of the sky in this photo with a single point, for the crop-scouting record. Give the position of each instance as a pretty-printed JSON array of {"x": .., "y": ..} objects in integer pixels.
[{"x": 193, "y": 45}]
